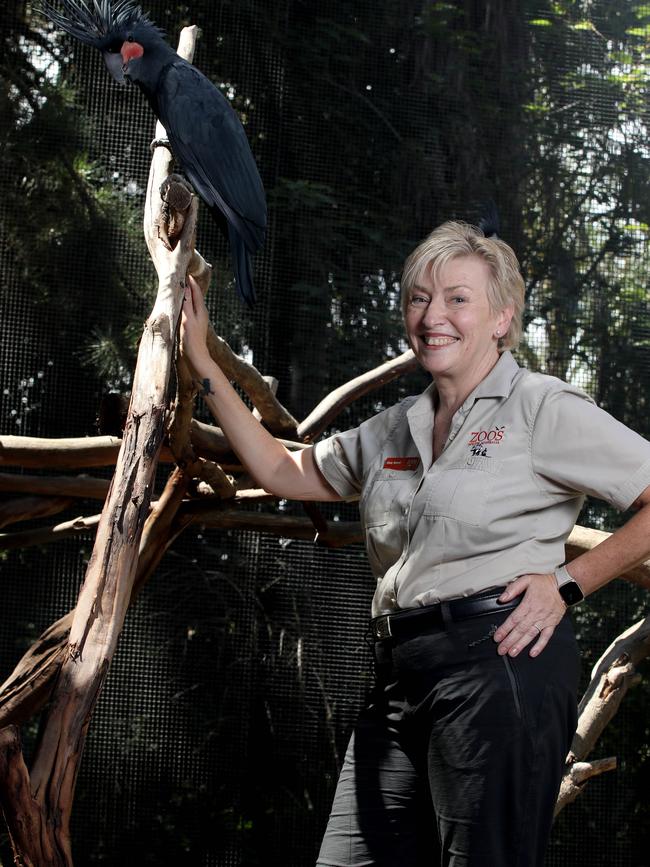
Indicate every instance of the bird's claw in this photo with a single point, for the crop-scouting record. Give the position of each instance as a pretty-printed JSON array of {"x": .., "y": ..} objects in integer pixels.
[
  {"x": 160, "y": 143},
  {"x": 176, "y": 195},
  {"x": 163, "y": 237}
]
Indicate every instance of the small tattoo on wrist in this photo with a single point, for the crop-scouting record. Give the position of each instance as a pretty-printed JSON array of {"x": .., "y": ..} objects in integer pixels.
[{"x": 205, "y": 388}]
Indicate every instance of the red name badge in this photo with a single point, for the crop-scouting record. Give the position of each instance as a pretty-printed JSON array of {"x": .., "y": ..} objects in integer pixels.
[{"x": 401, "y": 463}]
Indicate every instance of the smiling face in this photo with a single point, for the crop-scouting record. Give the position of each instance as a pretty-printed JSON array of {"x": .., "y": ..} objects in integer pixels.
[{"x": 449, "y": 322}]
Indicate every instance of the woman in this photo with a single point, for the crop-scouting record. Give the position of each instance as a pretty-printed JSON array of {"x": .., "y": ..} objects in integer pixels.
[{"x": 467, "y": 495}]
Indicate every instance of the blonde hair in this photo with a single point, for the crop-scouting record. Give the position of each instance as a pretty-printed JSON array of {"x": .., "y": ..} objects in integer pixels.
[{"x": 454, "y": 239}]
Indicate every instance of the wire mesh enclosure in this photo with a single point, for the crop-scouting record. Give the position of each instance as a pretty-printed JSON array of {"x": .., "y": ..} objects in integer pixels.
[{"x": 218, "y": 737}]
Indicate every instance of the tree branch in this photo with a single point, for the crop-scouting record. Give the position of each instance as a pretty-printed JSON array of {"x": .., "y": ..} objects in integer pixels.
[
  {"x": 335, "y": 402},
  {"x": 28, "y": 508},
  {"x": 85, "y": 487},
  {"x": 29, "y": 686},
  {"x": 611, "y": 678},
  {"x": 336, "y": 534},
  {"x": 61, "y": 454},
  {"x": 45, "y": 535},
  {"x": 577, "y": 776},
  {"x": 278, "y": 419},
  {"x": 22, "y": 812}
]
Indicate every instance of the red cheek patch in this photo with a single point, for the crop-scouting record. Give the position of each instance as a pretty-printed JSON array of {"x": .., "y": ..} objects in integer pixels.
[{"x": 131, "y": 50}]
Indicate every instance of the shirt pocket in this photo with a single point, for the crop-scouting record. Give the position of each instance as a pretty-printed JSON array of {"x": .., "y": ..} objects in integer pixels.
[
  {"x": 462, "y": 490},
  {"x": 379, "y": 496}
]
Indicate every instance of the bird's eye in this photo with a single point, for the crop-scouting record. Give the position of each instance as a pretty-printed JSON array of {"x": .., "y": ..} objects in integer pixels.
[{"x": 129, "y": 39}]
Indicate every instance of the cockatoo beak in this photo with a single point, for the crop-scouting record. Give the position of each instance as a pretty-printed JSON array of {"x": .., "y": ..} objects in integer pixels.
[{"x": 115, "y": 65}]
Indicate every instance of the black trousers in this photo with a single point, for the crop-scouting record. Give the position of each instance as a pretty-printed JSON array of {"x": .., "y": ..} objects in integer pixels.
[{"x": 458, "y": 759}]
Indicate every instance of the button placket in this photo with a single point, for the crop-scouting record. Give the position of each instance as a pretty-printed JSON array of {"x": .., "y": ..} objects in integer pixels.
[
  {"x": 406, "y": 510},
  {"x": 457, "y": 422}
]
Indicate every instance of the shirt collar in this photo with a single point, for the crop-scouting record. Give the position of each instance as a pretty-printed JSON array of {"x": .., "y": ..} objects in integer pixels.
[
  {"x": 498, "y": 383},
  {"x": 421, "y": 414}
]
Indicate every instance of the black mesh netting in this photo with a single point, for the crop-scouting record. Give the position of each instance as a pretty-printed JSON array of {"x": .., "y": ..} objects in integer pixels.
[{"x": 219, "y": 733}]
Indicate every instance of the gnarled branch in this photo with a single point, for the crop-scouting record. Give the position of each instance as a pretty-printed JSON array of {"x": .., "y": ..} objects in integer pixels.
[
  {"x": 612, "y": 676},
  {"x": 335, "y": 402}
]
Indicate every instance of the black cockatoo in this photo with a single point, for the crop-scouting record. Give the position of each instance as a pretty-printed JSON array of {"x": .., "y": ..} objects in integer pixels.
[{"x": 205, "y": 134}]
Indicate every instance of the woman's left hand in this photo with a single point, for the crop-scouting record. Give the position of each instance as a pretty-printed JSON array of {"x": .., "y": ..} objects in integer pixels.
[{"x": 536, "y": 616}]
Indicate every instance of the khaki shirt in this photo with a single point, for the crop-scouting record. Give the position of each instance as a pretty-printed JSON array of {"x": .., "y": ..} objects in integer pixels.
[{"x": 500, "y": 501}]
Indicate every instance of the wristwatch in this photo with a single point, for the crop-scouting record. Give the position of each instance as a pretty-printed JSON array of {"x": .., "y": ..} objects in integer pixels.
[{"x": 570, "y": 590}]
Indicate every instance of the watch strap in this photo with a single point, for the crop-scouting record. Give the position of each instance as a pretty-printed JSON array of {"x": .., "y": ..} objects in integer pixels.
[
  {"x": 562, "y": 575},
  {"x": 570, "y": 591}
]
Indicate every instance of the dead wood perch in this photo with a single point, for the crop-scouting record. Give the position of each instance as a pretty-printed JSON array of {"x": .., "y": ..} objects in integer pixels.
[
  {"x": 577, "y": 776},
  {"x": 335, "y": 402},
  {"x": 85, "y": 487},
  {"x": 61, "y": 454},
  {"x": 27, "y": 689},
  {"x": 22, "y": 813},
  {"x": 28, "y": 508},
  {"x": 335, "y": 534},
  {"x": 611, "y": 678},
  {"x": 107, "y": 588},
  {"x": 45, "y": 535},
  {"x": 275, "y": 416}
]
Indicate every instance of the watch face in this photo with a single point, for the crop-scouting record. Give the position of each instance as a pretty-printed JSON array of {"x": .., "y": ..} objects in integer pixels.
[{"x": 571, "y": 593}]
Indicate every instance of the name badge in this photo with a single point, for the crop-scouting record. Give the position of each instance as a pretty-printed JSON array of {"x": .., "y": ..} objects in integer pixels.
[{"x": 401, "y": 463}]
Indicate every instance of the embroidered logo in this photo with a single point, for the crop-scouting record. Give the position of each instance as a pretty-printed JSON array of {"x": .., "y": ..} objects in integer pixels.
[
  {"x": 493, "y": 436},
  {"x": 401, "y": 463},
  {"x": 482, "y": 438}
]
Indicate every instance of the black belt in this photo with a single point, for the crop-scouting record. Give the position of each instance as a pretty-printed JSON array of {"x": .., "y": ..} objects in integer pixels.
[{"x": 410, "y": 621}]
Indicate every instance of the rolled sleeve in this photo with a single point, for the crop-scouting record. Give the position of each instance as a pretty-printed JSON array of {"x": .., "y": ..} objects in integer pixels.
[
  {"x": 578, "y": 447},
  {"x": 345, "y": 459},
  {"x": 339, "y": 460}
]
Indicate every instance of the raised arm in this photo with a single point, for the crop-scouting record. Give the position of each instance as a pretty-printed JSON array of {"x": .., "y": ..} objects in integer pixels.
[{"x": 287, "y": 474}]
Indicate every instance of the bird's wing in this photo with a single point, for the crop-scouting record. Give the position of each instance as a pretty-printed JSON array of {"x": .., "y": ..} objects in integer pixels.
[{"x": 210, "y": 144}]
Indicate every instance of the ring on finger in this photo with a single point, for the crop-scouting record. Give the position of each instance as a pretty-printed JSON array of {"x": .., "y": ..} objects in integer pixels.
[{"x": 538, "y": 628}]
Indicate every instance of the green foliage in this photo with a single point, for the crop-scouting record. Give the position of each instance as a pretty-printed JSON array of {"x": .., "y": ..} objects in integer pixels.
[{"x": 66, "y": 229}]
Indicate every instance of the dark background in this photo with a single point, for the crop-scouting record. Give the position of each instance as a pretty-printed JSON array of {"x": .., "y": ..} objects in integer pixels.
[{"x": 225, "y": 714}]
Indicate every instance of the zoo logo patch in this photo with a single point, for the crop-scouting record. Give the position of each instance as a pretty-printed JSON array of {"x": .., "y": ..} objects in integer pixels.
[{"x": 480, "y": 439}]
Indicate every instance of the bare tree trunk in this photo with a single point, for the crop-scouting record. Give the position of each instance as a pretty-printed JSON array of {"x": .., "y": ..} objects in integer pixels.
[
  {"x": 47, "y": 797},
  {"x": 24, "y": 816}
]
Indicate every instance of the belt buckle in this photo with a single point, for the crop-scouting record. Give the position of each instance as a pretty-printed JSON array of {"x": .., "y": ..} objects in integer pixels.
[{"x": 382, "y": 628}]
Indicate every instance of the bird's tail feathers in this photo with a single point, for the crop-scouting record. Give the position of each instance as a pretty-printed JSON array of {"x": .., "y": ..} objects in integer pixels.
[
  {"x": 242, "y": 266},
  {"x": 250, "y": 233}
]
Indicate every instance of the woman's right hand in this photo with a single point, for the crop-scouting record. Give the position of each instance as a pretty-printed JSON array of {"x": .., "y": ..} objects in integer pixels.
[
  {"x": 287, "y": 474},
  {"x": 194, "y": 327}
]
